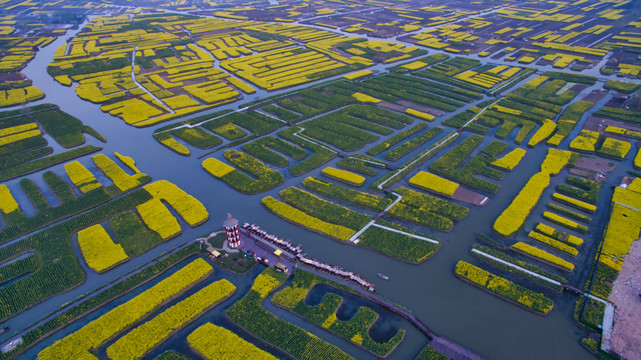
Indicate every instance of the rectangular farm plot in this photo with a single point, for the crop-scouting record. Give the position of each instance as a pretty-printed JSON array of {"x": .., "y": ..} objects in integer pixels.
[
  {"x": 133, "y": 111},
  {"x": 447, "y": 165},
  {"x": 343, "y": 176},
  {"x": 138, "y": 231},
  {"x": 229, "y": 131},
  {"x": 543, "y": 256},
  {"x": 420, "y": 97},
  {"x": 277, "y": 69},
  {"x": 488, "y": 78},
  {"x": 158, "y": 218},
  {"x": 23, "y": 146},
  {"x": 296, "y": 216},
  {"x": 197, "y": 137},
  {"x": 385, "y": 237},
  {"x": 262, "y": 176},
  {"x": 434, "y": 183},
  {"x": 503, "y": 288},
  {"x": 84, "y": 180},
  {"x": 351, "y": 128},
  {"x": 231, "y": 45},
  {"x": 120, "y": 178},
  {"x": 236, "y": 125},
  {"x": 157, "y": 82},
  {"x": 412, "y": 144},
  {"x": 427, "y": 210},
  {"x": 17, "y": 133},
  {"x": 269, "y": 149},
  {"x": 215, "y": 342},
  {"x": 146, "y": 337},
  {"x": 132, "y": 234},
  {"x": 99, "y": 249},
  {"x": 614, "y": 148},
  {"x": 585, "y": 141},
  {"x": 9, "y": 206},
  {"x": 212, "y": 92},
  {"x": 216, "y": 167},
  {"x": 18, "y": 96},
  {"x": 533, "y": 104},
  {"x": 99, "y": 331},
  {"x": 192, "y": 211}
]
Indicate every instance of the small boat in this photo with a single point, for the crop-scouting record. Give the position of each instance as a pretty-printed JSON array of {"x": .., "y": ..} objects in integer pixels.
[
  {"x": 382, "y": 276},
  {"x": 4, "y": 330}
]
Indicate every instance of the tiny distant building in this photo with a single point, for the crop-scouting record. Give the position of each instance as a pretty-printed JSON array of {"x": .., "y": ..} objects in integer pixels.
[{"x": 232, "y": 232}]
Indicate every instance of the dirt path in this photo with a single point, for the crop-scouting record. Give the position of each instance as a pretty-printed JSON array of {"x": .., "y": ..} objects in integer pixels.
[{"x": 626, "y": 335}]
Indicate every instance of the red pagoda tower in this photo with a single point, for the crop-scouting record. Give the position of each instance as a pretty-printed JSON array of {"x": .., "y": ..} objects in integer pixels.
[{"x": 231, "y": 231}]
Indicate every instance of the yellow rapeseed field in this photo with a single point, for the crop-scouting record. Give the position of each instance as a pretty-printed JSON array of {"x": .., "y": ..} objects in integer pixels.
[
  {"x": 216, "y": 167},
  {"x": 365, "y": 98},
  {"x": 7, "y": 203},
  {"x": 20, "y": 96},
  {"x": 357, "y": 74},
  {"x": 298, "y": 217},
  {"x": 159, "y": 219},
  {"x": 81, "y": 177},
  {"x": 187, "y": 206},
  {"x": 512, "y": 218},
  {"x": 543, "y": 133},
  {"x": 98, "y": 249},
  {"x": 173, "y": 144},
  {"x": 264, "y": 284},
  {"x": 5, "y": 140},
  {"x": 344, "y": 176},
  {"x": 91, "y": 336},
  {"x": 585, "y": 141},
  {"x": 622, "y": 230},
  {"x": 215, "y": 342},
  {"x": 17, "y": 129},
  {"x": 574, "y": 202},
  {"x": 147, "y": 336},
  {"x": 510, "y": 160},
  {"x": 419, "y": 114},
  {"x": 433, "y": 182},
  {"x": 120, "y": 178},
  {"x": 543, "y": 255}
]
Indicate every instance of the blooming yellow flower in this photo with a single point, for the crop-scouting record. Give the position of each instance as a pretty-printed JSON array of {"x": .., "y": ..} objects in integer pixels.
[
  {"x": 98, "y": 249},
  {"x": 435, "y": 183}
]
